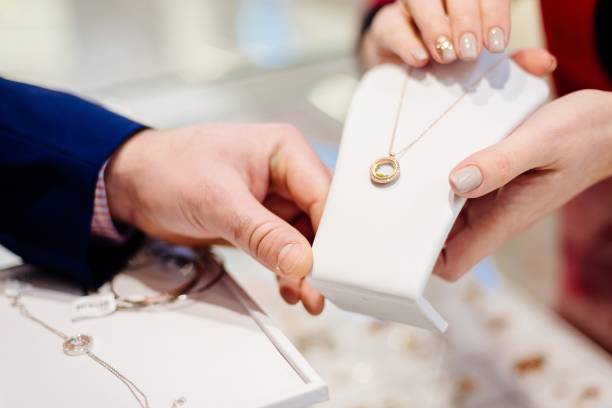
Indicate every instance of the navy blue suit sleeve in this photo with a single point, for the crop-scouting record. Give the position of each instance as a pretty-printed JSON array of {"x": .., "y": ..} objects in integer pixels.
[{"x": 52, "y": 146}]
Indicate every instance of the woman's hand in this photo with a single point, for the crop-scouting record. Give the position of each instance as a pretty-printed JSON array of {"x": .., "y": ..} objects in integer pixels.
[
  {"x": 413, "y": 31},
  {"x": 561, "y": 150},
  {"x": 259, "y": 187}
]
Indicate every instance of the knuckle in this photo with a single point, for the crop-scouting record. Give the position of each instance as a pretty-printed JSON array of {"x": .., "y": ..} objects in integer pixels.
[
  {"x": 287, "y": 130},
  {"x": 239, "y": 227},
  {"x": 432, "y": 25},
  {"x": 503, "y": 165},
  {"x": 294, "y": 137},
  {"x": 398, "y": 36},
  {"x": 494, "y": 17},
  {"x": 385, "y": 24},
  {"x": 385, "y": 14},
  {"x": 494, "y": 13},
  {"x": 465, "y": 23},
  {"x": 261, "y": 237}
]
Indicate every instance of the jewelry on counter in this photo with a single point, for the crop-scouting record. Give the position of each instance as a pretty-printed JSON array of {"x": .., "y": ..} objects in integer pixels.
[
  {"x": 386, "y": 170},
  {"x": 197, "y": 264},
  {"x": 194, "y": 264},
  {"x": 78, "y": 345},
  {"x": 211, "y": 263},
  {"x": 139, "y": 302}
]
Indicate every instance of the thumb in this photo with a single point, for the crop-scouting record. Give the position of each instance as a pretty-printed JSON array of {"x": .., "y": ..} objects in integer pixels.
[
  {"x": 495, "y": 166},
  {"x": 536, "y": 61},
  {"x": 267, "y": 238}
]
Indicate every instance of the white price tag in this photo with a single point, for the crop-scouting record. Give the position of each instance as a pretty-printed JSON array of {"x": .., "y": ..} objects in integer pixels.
[
  {"x": 93, "y": 306},
  {"x": 13, "y": 288}
]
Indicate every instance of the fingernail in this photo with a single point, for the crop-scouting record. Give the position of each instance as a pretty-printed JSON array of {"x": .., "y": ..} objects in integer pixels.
[
  {"x": 467, "y": 46},
  {"x": 466, "y": 179},
  {"x": 445, "y": 49},
  {"x": 553, "y": 63},
  {"x": 497, "y": 43},
  {"x": 289, "y": 295},
  {"x": 289, "y": 257},
  {"x": 419, "y": 54}
]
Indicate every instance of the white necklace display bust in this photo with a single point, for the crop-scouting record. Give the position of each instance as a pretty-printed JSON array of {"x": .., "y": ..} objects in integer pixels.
[{"x": 376, "y": 245}]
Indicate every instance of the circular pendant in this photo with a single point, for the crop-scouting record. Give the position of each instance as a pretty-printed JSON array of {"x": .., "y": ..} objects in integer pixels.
[
  {"x": 78, "y": 345},
  {"x": 384, "y": 170}
]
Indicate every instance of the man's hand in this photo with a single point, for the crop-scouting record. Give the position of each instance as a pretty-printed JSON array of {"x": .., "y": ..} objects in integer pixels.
[{"x": 259, "y": 187}]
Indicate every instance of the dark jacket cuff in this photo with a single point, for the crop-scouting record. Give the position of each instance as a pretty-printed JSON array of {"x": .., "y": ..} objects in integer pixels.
[{"x": 52, "y": 146}]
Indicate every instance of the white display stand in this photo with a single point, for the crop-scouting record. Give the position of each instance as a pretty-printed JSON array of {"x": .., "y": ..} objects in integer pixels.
[
  {"x": 217, "y": 350},
  {"x": 376, "y": 246}
]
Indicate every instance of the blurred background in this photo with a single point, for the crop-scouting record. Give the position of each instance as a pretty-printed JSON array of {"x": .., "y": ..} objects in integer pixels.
[{"x": 169, "y": 63}]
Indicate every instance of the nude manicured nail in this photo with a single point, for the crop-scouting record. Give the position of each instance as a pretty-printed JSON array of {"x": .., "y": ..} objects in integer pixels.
[
  {"x": 466, "y": 179},
  {"x": 419, "y": 54},
  {"x": 467, "y": 46},
  {"x": 497, "y": 42},
  {"x": 445, "y": 49}
]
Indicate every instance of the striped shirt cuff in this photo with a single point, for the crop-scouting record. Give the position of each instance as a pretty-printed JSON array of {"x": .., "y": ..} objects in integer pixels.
[{"x": 102, "y": 224}]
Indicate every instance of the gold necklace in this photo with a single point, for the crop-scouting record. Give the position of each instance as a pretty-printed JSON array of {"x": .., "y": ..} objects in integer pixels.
[
  {"x": 390, "y": 162},
  {"x": 205, "y": 263},
  {"x": 77, "y": 345}
]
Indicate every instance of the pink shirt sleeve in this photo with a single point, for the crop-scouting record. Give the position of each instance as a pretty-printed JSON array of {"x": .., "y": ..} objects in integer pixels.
[{"x": 102, "y": 223}]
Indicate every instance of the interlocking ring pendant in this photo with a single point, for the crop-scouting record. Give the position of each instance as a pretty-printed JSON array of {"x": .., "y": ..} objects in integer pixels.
[
  {"x": 78, "y": 345},
  {"x": 378, "y": 175}
]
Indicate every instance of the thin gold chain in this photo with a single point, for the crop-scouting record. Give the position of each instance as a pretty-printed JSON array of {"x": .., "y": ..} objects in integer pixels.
[
  {"x": 140, "y": 396},
  {"x": 435, "y": 122}
]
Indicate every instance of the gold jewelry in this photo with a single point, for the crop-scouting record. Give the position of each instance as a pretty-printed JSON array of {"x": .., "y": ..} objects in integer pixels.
[
  {"x": 140, "y": 302},
  {"x": 379, "y": 176},
  {"x": 76, "y": 345},
  {"x": 206, "y": 262},
  {"x": 386, "y": 170}
]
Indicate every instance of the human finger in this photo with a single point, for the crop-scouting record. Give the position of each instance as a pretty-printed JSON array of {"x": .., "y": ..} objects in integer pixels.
[
  {"x": 297, "y": 172},
  {"x": 536, "y": 61},
  {"x": 466, "y": 28},
  {"x": 264, "y": 235},
  {"x": 433, "y": 23},
  {"x": 393, "y": 30},
  {"x": 495, "y": 23}
]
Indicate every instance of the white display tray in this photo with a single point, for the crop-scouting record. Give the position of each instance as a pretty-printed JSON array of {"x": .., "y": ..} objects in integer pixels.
[{"x": 219, "y": 350}]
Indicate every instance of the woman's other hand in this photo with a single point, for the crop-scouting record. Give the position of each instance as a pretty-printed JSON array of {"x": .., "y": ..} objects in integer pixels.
[
  {"x": 416, "y": 31},
  {"x": 561, "y": 150}
]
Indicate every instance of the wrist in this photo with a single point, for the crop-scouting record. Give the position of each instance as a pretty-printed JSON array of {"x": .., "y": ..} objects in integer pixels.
[{"x": 119, "y": 177}]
